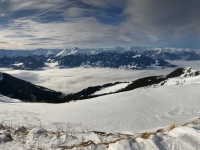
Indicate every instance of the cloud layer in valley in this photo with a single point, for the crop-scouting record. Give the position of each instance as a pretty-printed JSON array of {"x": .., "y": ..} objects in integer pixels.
[
  {"x": 76, "y": 79},
  {"x": 92, "y": 23}
]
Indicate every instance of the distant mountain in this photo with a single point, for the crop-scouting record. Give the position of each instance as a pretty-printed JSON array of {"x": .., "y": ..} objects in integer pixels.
[
  {"x": 6, "y": 61},
  {"x": 169, "y": 53},
  {"x": 76, "y": 51},
  {"x": 195, "y": 56},
  {"x": 23, "y": 62},
  {"x": 128, "y": 60},
  {"x": 118, "y": 57},
  {"x": 26, "y": 91},
  {"x": 153, "y": 52},
  {"x": 29, "y": 62}
]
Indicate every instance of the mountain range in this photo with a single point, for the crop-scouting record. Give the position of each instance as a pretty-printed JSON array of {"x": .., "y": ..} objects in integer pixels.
[{"x": 118, "y": 57}]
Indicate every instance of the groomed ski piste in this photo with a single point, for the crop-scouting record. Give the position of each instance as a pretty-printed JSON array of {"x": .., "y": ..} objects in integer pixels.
[{"x": 149, "y": 118}]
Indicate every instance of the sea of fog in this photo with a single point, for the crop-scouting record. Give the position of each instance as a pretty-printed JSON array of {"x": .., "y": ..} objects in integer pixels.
[{"x": 75, "y": 79}]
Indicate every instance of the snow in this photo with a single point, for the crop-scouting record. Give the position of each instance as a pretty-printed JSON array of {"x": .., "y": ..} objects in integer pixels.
[
  {"x": 75, "y": 51},
  {"x": 62, "y": 53},
  {"x": 4, "y": 99},
  {"x": 190, "y": 72},
  {"x": 182, "y": 137},
  {"x": 18, "y": 64},
  {"x": 136, "y": 56},
  {"x": 111, "y": 89},
  {"x": 150, "y": 110},
  {"x": 128, "y": 112}
]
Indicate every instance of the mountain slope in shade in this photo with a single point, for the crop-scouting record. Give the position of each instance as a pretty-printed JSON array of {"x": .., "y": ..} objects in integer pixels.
[
  {"x": 29, "y": 62},
  {"x": 23, "y": 62},
  {"x": 25, "y": 91}
]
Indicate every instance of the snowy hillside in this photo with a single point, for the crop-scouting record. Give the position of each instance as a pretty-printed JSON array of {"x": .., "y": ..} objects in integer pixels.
[
  {"x": 111, "y": 89},
  {"x": 188, "y": 72},
  {"x": 5, "y": 99},
  {"x": 147, "y": 109}
]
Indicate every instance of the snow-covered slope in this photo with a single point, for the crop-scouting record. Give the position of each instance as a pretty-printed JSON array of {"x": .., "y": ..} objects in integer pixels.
[
  {"x": 76, "y": 51},
  {"x": 188, "y": 72},
  {"x": 151, "y": 110},
  {"x": 127, "y": 112},
  {"x": 111, "y": 89},
  {"x": 4, "y": 99}
]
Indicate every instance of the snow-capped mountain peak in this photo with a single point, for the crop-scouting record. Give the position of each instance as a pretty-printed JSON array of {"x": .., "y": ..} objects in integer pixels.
[
  {"x": 74, "y": 51},
  {"x": 62, "y": 53}
]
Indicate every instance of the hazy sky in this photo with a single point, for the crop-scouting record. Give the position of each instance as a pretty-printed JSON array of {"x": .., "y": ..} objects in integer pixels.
[{"x": 29, "y": 24}]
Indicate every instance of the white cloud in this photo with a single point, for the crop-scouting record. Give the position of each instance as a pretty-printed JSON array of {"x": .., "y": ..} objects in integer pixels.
[
  {"x": 76, "y": 79},
  {"x": 86, "y": 23},
  {"x": 2, "y": 15},
  {"x": 73, "y": 32}
]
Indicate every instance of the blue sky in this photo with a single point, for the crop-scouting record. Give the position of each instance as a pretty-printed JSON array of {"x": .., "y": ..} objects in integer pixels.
[{"x": 99, "y": 23}]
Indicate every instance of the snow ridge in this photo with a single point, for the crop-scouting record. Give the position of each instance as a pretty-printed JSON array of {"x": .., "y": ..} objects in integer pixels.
[{"x": 188, "y": 72}]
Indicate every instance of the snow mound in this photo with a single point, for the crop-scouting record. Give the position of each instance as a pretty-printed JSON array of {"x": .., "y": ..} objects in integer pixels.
[
  {"x": 184, "y": 137},
  {"x": 190, "y": 72},
  {"x": 111, "y": 89}
]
